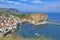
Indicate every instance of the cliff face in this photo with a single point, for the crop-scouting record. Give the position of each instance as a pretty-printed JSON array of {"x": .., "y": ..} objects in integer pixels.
[{"x": 39, "y": 17}]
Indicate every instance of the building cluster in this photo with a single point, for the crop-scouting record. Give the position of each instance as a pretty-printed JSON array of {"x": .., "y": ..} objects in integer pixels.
[{"x": 7, "y": 23}]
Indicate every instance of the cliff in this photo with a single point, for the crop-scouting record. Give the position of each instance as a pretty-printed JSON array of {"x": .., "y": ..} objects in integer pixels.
[
  {"x": 41, "y": 17},
  {"x": 38, "y": 18},
  {"x": 9, "y": 10}
]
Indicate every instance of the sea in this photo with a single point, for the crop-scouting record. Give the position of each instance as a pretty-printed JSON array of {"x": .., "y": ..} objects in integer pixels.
[{"x": 48, "y": 30}]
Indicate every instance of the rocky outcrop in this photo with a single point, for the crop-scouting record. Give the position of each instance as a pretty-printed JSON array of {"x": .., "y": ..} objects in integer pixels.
[{"x": 39, "y": 18}]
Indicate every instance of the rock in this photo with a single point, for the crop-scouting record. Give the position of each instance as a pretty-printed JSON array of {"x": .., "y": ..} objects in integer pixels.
[
  {"x": 37, "y": 34},
  {"x": 38, "y": 18}
]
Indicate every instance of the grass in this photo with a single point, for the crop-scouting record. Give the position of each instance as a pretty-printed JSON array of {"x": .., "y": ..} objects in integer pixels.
[
  {"x": 14, "y": 37},
  {"x": 21, "y": 15}
]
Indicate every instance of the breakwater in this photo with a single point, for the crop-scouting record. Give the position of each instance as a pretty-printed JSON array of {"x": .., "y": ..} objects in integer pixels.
[{"x": 54, "y": 23}]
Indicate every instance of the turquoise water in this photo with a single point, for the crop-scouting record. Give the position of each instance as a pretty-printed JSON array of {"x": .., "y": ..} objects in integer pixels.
[{"x": 48, "y": 30}]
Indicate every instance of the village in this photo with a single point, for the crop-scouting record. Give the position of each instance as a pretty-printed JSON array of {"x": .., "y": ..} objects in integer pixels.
[{"x": 8, "y": 24}]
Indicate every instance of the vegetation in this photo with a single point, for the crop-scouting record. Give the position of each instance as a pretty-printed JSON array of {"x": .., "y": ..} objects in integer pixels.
[
  {"x": 13, "y": 37},
  {"x": 22, "y": 15},
  {"x": 7, "y": 15}
]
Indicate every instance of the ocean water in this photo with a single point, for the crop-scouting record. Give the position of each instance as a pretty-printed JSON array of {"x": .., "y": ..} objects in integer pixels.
[{"x": 48, "y": 30}]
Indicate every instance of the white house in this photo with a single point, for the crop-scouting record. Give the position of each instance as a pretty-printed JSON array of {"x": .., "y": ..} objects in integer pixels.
[{"x": 1, "y": 31}]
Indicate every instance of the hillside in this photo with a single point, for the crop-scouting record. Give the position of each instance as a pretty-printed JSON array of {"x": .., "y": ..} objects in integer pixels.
[{"x": 9, "y": 10}]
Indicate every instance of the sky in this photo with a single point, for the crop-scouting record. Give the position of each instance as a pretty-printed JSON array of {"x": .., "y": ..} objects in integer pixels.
[{"x": 32, "y": 5}]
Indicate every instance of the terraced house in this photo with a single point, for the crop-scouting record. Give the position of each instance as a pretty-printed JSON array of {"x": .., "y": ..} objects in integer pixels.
[{"x": 8, "y": 23}]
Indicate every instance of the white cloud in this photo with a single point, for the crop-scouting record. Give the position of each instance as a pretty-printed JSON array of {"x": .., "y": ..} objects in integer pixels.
[
  {"x": 53, "y": 5},
  {"x": 1, "y": 0},
  {"x": 23, "y": 0},
  {"x": 46, "y": 7},
  {"x": 11, "y": 2},
  {"x": 36, "y": 1},
  {"x": 14, "y": 3}
]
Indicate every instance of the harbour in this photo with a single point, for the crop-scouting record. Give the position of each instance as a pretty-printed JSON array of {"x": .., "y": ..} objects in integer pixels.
[
  {"x": 31, "y": 28},
  {"x": 46, "y": 30}
]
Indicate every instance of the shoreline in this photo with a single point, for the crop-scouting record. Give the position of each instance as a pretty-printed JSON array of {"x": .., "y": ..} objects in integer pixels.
[{"x": 13, "y": 21}]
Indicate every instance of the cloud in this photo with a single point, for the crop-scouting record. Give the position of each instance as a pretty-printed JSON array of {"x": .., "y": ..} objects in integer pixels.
[
  {"x": 27, "y": 7},
  {"x": 23, "y": 0},
  {"x": 53, "y": 5},
  {"x": 36, "y": 1},
  {"x": 1, "y": 0},
  {"x": 11, "y": 2},
  {"x": 14, "y": 3},
  {"x": 46, "y": 7}
]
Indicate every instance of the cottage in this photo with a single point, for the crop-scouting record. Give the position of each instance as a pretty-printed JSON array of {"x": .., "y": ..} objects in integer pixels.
[{"x": 1, "y": 31}]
